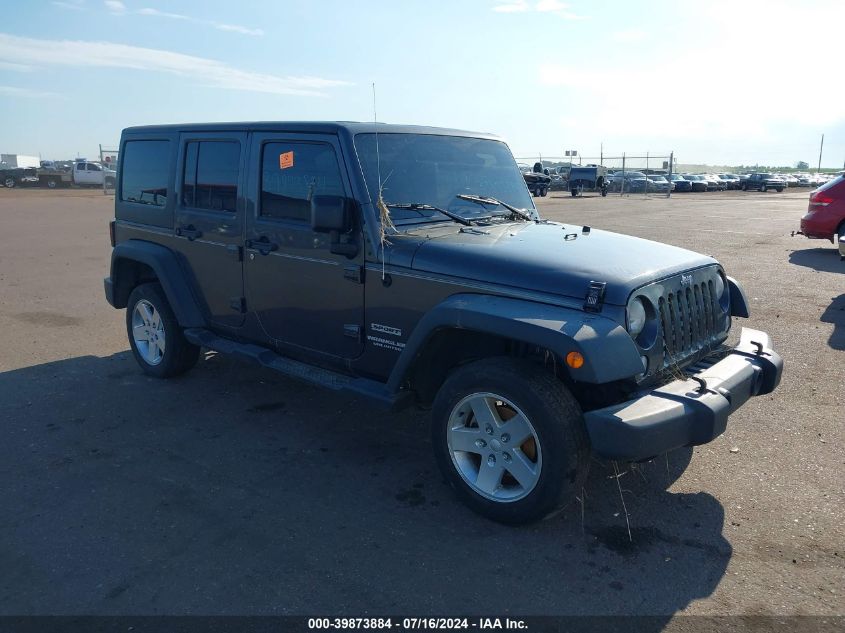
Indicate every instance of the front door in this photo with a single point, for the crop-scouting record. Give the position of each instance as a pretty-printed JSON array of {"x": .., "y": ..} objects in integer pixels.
[
  {"x": 209, "y": 219},
  {"x": 304, "y": 295}
]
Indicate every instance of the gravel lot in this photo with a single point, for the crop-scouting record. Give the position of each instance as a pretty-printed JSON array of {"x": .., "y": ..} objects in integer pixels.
[{"x": 233, "y": 490}]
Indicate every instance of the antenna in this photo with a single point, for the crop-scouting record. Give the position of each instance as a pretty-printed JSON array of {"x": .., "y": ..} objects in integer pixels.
[
  {"x": 378, "y": 157},
  {"x": 384, "y": 212}
]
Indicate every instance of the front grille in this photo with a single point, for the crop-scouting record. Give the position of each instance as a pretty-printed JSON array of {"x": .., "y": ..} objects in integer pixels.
[{"x": 691, "y": 320}]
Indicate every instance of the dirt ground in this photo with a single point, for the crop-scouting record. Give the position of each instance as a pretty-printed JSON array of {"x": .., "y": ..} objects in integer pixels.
[{"x": 234, "y": 490}]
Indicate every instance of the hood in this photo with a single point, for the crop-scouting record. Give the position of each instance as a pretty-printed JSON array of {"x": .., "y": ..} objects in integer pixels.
[{"x": 539, "y": 257}]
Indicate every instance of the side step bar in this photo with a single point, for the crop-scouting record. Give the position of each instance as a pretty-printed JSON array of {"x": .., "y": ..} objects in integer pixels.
[{"x": 295, "y": 369}]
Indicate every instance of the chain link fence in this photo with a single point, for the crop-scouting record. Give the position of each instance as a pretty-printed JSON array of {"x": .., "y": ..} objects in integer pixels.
[
  {"x": 109, "y": 158},
  {"x": 624, "y": 171}
]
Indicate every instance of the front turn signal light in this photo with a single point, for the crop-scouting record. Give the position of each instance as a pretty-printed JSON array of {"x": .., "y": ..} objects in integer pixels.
[{"x": 575, "y": 360}]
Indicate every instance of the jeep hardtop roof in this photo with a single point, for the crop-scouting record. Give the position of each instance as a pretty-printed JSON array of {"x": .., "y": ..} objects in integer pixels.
[{"x": 313, "y": 127}]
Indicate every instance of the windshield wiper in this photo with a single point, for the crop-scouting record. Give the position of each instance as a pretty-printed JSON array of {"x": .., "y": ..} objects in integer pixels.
[
  {"x": 414, "y": 206},
  {"x": 488, "y": 200}
]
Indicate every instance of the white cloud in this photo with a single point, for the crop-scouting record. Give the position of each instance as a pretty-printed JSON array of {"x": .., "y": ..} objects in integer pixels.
[
  {"x": 162, "y": 14},
  {"x": 19, "y": 68},
  {"x": 75, "y": 5},
  {"x": 561, "y": 9},
  {"x": 13, "y": 91},
  {"x": 220, "y": 26},
  {"x": 115, "y": 6},
  {"x": 199, "y": 70},
  {"x": 235, "y": 28}
]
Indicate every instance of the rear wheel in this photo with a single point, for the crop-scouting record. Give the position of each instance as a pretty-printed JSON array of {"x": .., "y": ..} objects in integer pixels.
[
  {"x": 9, "y": 182},
  {"x": 510, "y": 439},
  {"x": 157, "y": 340},
  {"x": 544, "y": 192},
  {"x": 52, "y": 183},
  {"x": 763, "y": 188},
  {"x": 780, "y": 189}
]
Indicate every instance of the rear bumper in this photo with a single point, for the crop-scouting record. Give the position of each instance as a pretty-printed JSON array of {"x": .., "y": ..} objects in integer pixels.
[
  {"x": 683, "y": 412},
  {"x": 818, "y": 224}
]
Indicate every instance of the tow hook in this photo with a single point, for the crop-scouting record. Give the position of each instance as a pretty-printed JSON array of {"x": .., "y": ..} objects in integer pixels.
[
  {"x": 759, "y": 347},
  {"x": 702, "y": 384}
]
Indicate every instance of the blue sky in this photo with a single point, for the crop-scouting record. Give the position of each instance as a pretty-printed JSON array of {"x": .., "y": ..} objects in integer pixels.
[{"x": 715, "y": 81}]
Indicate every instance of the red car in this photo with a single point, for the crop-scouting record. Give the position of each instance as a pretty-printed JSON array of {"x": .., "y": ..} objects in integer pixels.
[{"x": 826, "y": 213}]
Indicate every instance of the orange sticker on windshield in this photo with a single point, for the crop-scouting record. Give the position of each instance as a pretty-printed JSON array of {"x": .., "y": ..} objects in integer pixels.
[{"x": 286, "y": 160}]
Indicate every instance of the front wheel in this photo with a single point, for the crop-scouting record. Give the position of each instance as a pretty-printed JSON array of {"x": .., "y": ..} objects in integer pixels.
[
  {"x": 52, "y": 183},
  {"x": 157, "y": 340},
  {"x": 763, "y": 188},
  {"x": 9, "y": 182},
  {"x": 780, "y": 189},
  {"x": 544, "y": 192},
  {"x": 510, "y": 439}
]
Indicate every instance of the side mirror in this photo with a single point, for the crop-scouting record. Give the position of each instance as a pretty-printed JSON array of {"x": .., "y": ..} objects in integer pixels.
[{"x": 331, "y": 213}]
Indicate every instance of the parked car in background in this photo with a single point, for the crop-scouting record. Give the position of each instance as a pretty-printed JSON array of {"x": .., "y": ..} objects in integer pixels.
[
  {"x": 825, "y": 215},
  {"x": 763, "y": 182},
  {"x": 680, "y": 183},
  {"x": 714, "y": 183},
  {"x": 697, "y": 182},
  {"x": 789, "y": 179},
  {"x": 629, "y": 182},
  {"x": 731, "y": 180},
  {"x": 88, "y": 173},
  {"x": 659, "y": 184},
  {"x": 16, "y": 176}
]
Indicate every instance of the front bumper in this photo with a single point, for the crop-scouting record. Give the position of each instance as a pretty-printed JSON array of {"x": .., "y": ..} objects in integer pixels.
[{"x": 685, "y": 412}]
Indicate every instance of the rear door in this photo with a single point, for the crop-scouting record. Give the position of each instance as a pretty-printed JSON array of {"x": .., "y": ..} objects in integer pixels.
[
  {"x": 304, "y": 295},
  {"x": 209, "y": 219}
]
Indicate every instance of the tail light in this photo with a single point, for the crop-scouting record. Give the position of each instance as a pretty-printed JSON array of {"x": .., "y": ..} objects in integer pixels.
[
  {"x": 111, "y": 233},
  {"x": 820, "y": 199}
]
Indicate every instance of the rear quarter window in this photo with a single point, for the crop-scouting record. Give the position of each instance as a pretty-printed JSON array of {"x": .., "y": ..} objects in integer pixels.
[{"x": 145, "y": 172}]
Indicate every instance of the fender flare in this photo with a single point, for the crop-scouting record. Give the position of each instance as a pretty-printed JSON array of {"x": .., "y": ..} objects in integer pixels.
[
  {"x": 739, "y": 302},
  {"x": 609, "y": 352},
  {"x": 171, "y": 276}
]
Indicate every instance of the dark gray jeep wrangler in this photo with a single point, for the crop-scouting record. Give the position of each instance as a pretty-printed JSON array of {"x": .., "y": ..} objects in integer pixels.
[{"x": 409, "y": 265}]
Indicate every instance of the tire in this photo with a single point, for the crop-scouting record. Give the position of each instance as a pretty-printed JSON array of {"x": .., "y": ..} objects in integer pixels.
[
  {"x": 604, "y": 192},
  {"x": 544, "y": 192},
  {"x": 552, "y": 461},
  {"x": 52, "y": 183},
  {"x": 745, "y": 187},
  {"x": 763, "y": 188},
  {"x": 574, "y": 192},
  {"x": 109, "y": 183},
  {"x": 780, "y": 189},
  {"x": 148, "y": 315},
  {"x": 9, "y": 182}
]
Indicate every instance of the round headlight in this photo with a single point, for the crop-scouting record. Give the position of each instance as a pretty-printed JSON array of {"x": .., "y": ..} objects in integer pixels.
[
  {"x": 636, "y": 317},
  {"x": 719, "y": 286}
]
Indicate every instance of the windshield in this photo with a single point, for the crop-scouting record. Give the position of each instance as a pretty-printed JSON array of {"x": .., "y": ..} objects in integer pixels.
[
  {"x": 434, "y": 170},
  {"x": 657, "y": 178}
]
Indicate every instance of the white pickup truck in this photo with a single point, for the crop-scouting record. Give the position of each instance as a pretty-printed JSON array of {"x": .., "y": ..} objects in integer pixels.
[{"x": 87, "y": 173}]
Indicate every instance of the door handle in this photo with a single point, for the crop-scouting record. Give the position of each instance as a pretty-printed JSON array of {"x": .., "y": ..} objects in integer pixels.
[
  {"x": 262, "y": 245},
  {"x": 190, "y": 231}
]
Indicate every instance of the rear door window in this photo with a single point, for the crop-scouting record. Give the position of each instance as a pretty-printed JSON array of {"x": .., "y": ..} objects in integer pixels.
[{"x": 210, "y": 179}]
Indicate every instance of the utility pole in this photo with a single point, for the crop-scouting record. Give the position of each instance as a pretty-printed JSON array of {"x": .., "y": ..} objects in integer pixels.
[{"x": 821, "y": 147}]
